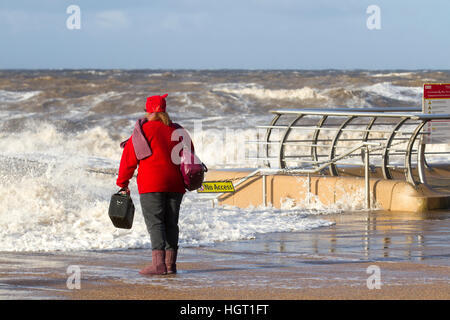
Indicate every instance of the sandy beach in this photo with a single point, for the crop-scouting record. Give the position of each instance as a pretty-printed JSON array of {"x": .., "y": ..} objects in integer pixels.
[{"x": 411, "y": 252}]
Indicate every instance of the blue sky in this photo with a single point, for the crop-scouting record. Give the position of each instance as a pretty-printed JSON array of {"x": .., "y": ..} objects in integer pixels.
[{"x": 211, "y": 34}]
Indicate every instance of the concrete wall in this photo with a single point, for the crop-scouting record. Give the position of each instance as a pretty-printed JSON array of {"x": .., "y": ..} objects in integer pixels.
[{"x": 394, "y": 195}]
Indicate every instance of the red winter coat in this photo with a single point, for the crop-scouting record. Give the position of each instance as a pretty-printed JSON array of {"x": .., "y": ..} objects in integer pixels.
[{"x": 156, "y": 173}]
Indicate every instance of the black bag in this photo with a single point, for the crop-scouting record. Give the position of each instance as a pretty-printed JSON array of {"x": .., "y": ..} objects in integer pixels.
[{"x": 121, "y": 210}]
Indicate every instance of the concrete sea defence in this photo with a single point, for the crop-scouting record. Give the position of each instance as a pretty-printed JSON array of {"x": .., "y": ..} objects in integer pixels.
[{"x": 391, "y": 195}]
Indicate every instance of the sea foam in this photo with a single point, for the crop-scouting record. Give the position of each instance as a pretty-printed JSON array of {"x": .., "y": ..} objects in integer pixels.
[
  {"x": 400, "y": 93},
  {"x": 52, "y": 199},
  {"x": 262, "y": 93},
  {"x": 16, "y": 96}
]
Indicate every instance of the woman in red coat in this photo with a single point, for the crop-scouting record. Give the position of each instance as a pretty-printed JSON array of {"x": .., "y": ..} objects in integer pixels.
[{"x": 160, "y": 182}]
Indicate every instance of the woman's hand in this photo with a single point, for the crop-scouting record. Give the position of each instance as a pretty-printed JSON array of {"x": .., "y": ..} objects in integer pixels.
[{"x": 124, "y": 191}]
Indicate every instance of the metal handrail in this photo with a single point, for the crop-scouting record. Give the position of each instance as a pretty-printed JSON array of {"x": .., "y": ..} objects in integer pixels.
[
  {"x": 266, "y": 171},
  {"x": 389, "y": 145},
  {"x": 343, "y": 118},
  {"x": 387, "y": 113}
]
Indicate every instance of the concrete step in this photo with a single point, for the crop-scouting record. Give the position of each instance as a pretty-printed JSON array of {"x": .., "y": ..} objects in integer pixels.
[{"x": 393, "y": 195}]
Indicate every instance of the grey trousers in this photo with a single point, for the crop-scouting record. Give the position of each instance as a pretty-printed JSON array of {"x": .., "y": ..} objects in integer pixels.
[{"x": 161, "y": 211}]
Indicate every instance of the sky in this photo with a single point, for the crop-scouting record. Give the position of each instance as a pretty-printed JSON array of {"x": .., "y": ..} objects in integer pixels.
[{"x": 226, "y": 34}]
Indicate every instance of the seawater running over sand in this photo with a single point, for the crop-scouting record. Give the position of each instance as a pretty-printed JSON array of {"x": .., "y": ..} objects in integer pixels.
[{"x": 410, "y": 252}]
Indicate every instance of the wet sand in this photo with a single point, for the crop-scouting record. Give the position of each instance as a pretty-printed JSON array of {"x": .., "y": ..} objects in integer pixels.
[{"x": 412, "y": 253}]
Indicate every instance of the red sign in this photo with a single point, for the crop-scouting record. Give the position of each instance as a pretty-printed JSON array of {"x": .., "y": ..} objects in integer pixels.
[{"x": 436, "y": 91}]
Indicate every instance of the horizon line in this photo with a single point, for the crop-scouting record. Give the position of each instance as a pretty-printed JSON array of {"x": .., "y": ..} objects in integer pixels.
[{"x": 222, "y": 69}]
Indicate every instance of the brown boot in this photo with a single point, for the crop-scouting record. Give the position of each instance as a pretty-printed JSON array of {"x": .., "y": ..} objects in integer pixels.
[
  {"x": 171, "y": 259},
  {"x": 158, "y": 265}
]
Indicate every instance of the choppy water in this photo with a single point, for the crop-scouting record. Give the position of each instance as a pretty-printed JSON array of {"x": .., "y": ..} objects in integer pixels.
[{"x": 56, "y": 125}]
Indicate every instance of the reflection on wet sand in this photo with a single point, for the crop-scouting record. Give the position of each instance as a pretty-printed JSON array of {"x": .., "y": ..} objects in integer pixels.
[
  {"x": 371, "y": 236},
  {"x": 411, "y": 251}
]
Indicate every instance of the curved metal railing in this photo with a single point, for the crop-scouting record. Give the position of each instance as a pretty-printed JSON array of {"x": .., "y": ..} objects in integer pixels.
[{"x": 307, "y": 138}]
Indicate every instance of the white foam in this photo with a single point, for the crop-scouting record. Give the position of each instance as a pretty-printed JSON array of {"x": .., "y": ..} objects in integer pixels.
[
  {"x": 54, "y": 202},
  {"x": 44, "y": 138},
  {"x": 262, "y": 93},
  {"x": 392, "y": 74},
  {"x": 217, "y": 148},
  {"x": 16, "y": 96},
  {"x": 400, "y": 93},
  {"x": 384, "y": 89},
  {"x": 65, "y": 209},
  {"x": 156, "y": 74},
  {"x": 200, "y": 225},
  {"x": 95, "y": 99}
]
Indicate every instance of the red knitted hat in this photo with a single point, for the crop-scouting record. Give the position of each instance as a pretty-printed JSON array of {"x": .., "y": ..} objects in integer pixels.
[{"x": 156, "y": 104}]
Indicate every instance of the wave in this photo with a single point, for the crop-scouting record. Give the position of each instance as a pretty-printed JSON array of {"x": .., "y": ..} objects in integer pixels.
[
  {"x": 66, "y": 214},
  {"x": 392, "y": 74},
  {"x": 259, "y": 92},
  {"x": 52, "y": 200},
  {"x": 399, "y": 93},
  {"x": 350, "y": 95},
  {"x": 45, "y": 140},
  {"x": 58, "y": 205},
  {"x": 16, "y": 96}
]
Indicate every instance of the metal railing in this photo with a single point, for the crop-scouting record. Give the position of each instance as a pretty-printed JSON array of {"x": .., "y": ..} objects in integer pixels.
[
  {"x": 263, "y": 172},
  {"x": 324, "y": 133},
  {"x": 312, "y": 141}
]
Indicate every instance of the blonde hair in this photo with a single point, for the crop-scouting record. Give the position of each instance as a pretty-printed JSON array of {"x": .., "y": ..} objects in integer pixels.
[{"x": 161, "y": 116}]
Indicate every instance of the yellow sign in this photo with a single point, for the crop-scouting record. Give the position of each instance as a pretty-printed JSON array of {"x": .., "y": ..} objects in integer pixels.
[{"x": 216, "y": 187}]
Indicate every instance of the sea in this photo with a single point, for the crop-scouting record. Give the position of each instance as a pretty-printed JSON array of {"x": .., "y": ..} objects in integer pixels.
[{"x": 60, "y": 134}]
